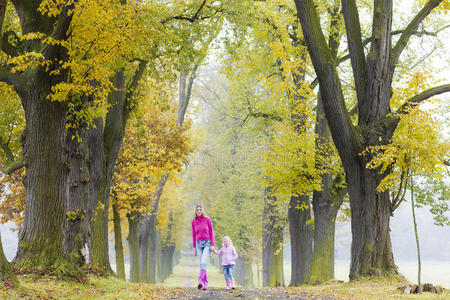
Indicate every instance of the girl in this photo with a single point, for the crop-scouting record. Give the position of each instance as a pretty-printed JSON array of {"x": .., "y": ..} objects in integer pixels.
[
  {"x": 229, "y": 255},
  {"x": 203, "y": 242}
]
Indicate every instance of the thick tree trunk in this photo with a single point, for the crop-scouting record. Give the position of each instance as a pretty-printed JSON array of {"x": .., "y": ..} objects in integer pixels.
[
  {"x": 7, "y": 275},
  {"x": 94, "y": 141},
  {"x": 118, "y": 246},
  {"x": 371, "y": 243},
  {"x": 134, "y": 221},
  {"x": 326, "y": 204},
  {"x": 77, "y": 201},
  {"x": 301, "y": 234},
  {"x": 41, "y": 244},
  {"x": 144, "y": 236},
  {"x": 272, "y": 243},
  {"x": 99, "y": 237},
  {"x": 113, "y": 134},
  {"x": 244, "y": 273}
]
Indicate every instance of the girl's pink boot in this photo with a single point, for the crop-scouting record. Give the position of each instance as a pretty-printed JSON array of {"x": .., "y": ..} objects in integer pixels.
[{"x": 233, "y": 287}]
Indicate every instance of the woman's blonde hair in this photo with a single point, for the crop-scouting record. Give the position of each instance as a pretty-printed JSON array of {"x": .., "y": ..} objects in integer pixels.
[
  {"x": 228, "y": 239},
  {"x": 195, "y": 210}
]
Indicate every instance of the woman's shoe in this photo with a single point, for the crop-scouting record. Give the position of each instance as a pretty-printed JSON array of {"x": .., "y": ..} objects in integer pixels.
[
  {"x": 205, "y": 281},
  {"x": 228, "y": 285},
  {"x": 200, "y": 279}
]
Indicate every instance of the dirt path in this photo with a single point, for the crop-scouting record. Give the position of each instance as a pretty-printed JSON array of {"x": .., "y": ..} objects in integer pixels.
[
  {"x": 182, "y": 285},
  {"x": 250, "y": 294}
]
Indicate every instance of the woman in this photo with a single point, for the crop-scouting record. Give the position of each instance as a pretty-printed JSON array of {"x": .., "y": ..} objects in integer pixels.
[{"x": 203, "y": 242}]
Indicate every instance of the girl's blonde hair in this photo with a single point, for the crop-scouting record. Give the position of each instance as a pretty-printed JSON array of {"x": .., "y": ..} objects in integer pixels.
[
  {"x": 228, "y": 239},
  {"x": 195, "y": 210}
]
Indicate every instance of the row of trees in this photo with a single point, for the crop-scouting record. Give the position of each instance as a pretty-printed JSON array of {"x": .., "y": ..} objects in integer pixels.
[
  {"x": 76, "y": 74},
  {"x": 268, "y": 110},
  {"x": 87, "y": 80}
]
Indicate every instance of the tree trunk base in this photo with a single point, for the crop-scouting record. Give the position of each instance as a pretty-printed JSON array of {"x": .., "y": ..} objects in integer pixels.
[{"x": 47, "y": 261}]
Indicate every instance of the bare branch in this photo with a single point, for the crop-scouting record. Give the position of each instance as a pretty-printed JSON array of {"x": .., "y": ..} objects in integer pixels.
[
  {"x": 410, "y": 30},
  {"x": 190, "y": 19}
]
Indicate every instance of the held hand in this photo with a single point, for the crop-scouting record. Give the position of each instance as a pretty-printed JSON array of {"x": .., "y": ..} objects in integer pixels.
[
  {"x": 195, "y": 251},
  {"x": 212, "y": 249}
]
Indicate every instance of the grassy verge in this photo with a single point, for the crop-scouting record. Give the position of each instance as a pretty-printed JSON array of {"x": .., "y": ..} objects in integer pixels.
[
  {"x": 111, "y": 288},
  {"x": 375, "y": 288}
]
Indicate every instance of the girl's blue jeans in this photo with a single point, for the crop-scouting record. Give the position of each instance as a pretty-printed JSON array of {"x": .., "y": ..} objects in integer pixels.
[
  {"x": 228, "y": 272},
  {"x": 203, "y": 248}
]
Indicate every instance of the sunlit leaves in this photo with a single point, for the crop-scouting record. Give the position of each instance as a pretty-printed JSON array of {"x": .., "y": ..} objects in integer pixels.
[{"x": 417, "y": 146}]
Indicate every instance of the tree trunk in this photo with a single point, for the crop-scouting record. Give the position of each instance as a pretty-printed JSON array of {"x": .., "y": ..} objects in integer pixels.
[
  {"x": 244, "y": 273},
  {"x": 144, "y": 233},
  {"x": 118, "y": 246},
  {"x": 370, "y": 210},
  {"x": 371, "y": 243},
  {"x": 147, "y": 235},
  {"x": 272, "y": 243},
  {"x": 77, "y": 202},
  {"x": 41, "y": 244},
  {"x": 157, "y": 259},
  {"x": 113, "y": 134},
  {"x": 326, "y": 204},
  {"x": 7, "y": 275},
  {"x": 153, "y": 251},
  {"x": 134, "y": 220},
  {"x": 301, "y": 234}
]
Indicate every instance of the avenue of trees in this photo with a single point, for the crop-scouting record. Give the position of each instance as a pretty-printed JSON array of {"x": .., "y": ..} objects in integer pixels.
[{"x": 116, "y": 117}]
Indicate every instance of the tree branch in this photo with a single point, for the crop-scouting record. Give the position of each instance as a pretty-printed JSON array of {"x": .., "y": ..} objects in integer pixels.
[
  {"x": 60, "y": 33},
  {"x": 410, "y": 30},
  {"x": 355, "y": 46},
  {"x": 343, "y": 131},
  {"x": 266, "y": 116},
  {"x": 2, "y": 13},
  {"x": 414, "y": 101},
  {"x": 133, "y": 84},
  {"x": 192, "y": 19}
]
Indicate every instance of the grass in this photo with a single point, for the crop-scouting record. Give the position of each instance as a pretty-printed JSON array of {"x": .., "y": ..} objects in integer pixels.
[
  {"x": 181, "y": 284},
  {"x": 111, "y": 288},
  {"x": 373, "y": 288}
]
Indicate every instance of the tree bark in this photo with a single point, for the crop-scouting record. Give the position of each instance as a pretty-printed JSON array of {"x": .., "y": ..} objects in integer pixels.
[
  {"x": 77, "y": 206},
  {"x": 118, "y": 246},
  {"x": 134, "y": 220},
  {"x": 41, "y": 241},
  {"x": 326, "y": 204},
  {"x": 301, "y": 233},
  {"x": 113, "y": 134},
  {"x": 272, "y": 243}
]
